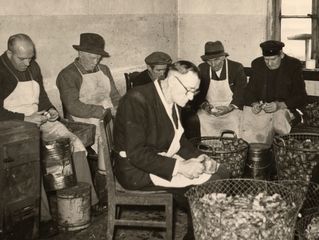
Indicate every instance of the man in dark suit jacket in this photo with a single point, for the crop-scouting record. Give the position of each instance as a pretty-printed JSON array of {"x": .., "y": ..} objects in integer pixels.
[
  {"x": 221, "y": 93},
  {"x": 275, "y": 91},
  {"x": 149, "y": 141},
  {"x": 157, "y": 65}
]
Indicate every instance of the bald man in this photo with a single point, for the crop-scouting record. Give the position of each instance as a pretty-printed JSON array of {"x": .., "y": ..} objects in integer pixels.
[{"x": 23, "y": 97}]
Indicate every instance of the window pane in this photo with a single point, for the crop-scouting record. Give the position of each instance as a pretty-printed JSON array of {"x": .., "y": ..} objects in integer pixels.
[
  {"x": 296, "y": 7},
  {"x": 291, "y": 27}
]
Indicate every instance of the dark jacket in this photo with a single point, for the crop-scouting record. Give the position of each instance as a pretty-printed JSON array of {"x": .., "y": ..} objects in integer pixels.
[
  {"x": 8, "y": 83},
  {"x": 142, "y": 129},
  {"x": 142, "y": 78},
  {"x": 283, "y": 84},
  {"x": 237, "y": 83}
]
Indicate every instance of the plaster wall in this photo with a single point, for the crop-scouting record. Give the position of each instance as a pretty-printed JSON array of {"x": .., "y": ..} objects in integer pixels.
[
  {"x": 239, "y": 24},
  {"x": 132, "y": 29}
]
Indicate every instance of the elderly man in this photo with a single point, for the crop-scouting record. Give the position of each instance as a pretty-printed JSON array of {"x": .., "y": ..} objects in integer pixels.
[
  {"x": 275, "y": 91},
  {"x": 157, "y": 65},
  {"x": 23, "y": 97},
  {"x": 221, "y": 97},
  {"x": 86, "y": 86}
]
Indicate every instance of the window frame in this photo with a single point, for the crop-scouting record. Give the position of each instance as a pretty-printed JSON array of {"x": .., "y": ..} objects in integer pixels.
[{"x": 274, "y": 17}]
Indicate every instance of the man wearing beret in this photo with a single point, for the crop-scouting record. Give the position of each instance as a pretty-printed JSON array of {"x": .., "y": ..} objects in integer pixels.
[
  {"x": 221, "y": 97},
  {"x": 87, "y": 87},
  {"x": 157, "y": 65},
  {"x": 275, "y": 91}
]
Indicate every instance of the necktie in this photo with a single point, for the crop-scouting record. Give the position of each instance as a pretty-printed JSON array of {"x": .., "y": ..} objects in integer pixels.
[{"x": 174, "y": 115}]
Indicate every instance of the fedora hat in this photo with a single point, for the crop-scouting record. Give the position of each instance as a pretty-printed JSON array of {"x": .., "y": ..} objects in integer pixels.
[
  {"x": 92, "y": 43},
  {"x": 213, "y": 50}
]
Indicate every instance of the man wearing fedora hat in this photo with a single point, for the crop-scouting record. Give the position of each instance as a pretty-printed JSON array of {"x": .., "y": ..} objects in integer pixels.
[
  {"x": 157, "y": 65},
  {"x": 275, "y": 91},
  {"x": 221, "y": 93},
  {"x": 86, "y": 86}
]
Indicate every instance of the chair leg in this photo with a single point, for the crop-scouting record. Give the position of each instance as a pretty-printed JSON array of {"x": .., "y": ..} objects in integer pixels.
[
  {"x": 110, "y": 221},
  {"x": 169, "y": 220}
]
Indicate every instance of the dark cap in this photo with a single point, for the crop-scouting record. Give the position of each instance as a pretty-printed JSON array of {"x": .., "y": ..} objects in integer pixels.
[
  {"x": 158, "y": 58},
  {"x": 271, "y": 47}
]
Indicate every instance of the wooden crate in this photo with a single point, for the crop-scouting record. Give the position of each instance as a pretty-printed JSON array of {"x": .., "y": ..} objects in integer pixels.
[
  {"x": 19, "y": 180},
  {"x": 84, "y": 131}
]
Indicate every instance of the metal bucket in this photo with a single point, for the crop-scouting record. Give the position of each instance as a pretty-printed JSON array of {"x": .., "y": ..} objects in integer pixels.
[
  {"x": 74, "y": 207},
  {"x": 259, "y": 161},
  {"x": 57, "y": 164}
]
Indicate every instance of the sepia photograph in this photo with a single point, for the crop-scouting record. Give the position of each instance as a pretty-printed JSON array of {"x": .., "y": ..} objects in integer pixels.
[{"x": 159, "y": 119}]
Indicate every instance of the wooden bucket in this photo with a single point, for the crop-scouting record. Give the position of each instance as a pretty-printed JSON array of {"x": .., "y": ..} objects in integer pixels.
[{"x": 74, "y": 207}]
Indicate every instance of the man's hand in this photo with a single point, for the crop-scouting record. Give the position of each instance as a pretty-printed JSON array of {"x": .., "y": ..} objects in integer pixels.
[
  {"x": 37, "y": 118},
  {"x": 270, "y": 107},
  {"x": 193, "y": 167},
  {"x": 210, "y": 164},
  {"x": 256, "y": 107},
  {"x": 206, "y": 107},
  {"x": 54, "y": 115},
  {"x": 222, "y": 110}
]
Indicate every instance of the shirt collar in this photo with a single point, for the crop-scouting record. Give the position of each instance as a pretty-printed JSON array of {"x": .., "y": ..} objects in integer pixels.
[{"x": 82, "y": 69}]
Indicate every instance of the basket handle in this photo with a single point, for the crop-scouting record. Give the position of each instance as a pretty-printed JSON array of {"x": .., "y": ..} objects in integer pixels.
[
  {"x": 281, "y": 140},
  {"x": 226, "y": 131}
]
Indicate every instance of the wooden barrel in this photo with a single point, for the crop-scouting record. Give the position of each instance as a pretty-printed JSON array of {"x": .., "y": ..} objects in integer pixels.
[
  {"x": 259, "y": 161},
  {"x": 74, "y": 207},
  {"x": 57, "y": 164}
]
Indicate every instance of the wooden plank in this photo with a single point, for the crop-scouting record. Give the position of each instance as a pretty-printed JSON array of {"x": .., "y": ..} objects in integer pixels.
[{"x": 140, "y": 223}]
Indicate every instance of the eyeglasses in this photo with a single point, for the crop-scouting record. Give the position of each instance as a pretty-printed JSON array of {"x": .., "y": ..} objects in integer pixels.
[{"x": 188, "y": 91}]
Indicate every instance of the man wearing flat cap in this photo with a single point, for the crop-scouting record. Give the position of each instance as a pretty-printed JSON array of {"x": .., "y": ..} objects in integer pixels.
[
  {"x": 157, "y": 65},
  {"x": 275, "y": 91},
  {"x": 221, "y": 97},
  {"x": 86, "y": 86}
]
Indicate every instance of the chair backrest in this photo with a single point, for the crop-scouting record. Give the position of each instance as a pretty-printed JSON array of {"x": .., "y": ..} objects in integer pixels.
[
  {"x": 105, "y": 149},
  {"x": 129, "y": 79}
]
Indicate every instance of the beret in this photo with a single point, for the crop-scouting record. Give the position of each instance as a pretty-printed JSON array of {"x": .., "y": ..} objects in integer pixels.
[
  {"x": 158, "y": 58},
  {"x": 271, "y": 47}
]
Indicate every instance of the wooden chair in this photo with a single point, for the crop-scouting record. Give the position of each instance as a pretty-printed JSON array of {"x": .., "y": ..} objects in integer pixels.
[
  {"x": 129, "y": 79},
  {"x": 118, "y": 196}
]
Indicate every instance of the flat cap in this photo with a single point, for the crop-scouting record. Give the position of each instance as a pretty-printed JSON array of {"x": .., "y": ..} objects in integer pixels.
[
  {"x": 271, "y": 47},
  {"x": 158, "y": 58}
]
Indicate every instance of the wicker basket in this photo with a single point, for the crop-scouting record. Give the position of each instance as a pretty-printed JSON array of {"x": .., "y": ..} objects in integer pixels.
[
  {"x": 230, "y": 151},
  {"x": 296, "y": 155},
  {"x": 309, "y": 192},
  {"x": 243, "y": 209}
]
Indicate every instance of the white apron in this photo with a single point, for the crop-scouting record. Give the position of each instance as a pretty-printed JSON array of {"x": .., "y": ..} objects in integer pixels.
[
  {"x": 95, "y": 89},
  {"x": 178, "y": 180},
  {"x": 24, "y": 98},
  {"x": 261, "y": 127},
  {"x": 219, "y": 94}
]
